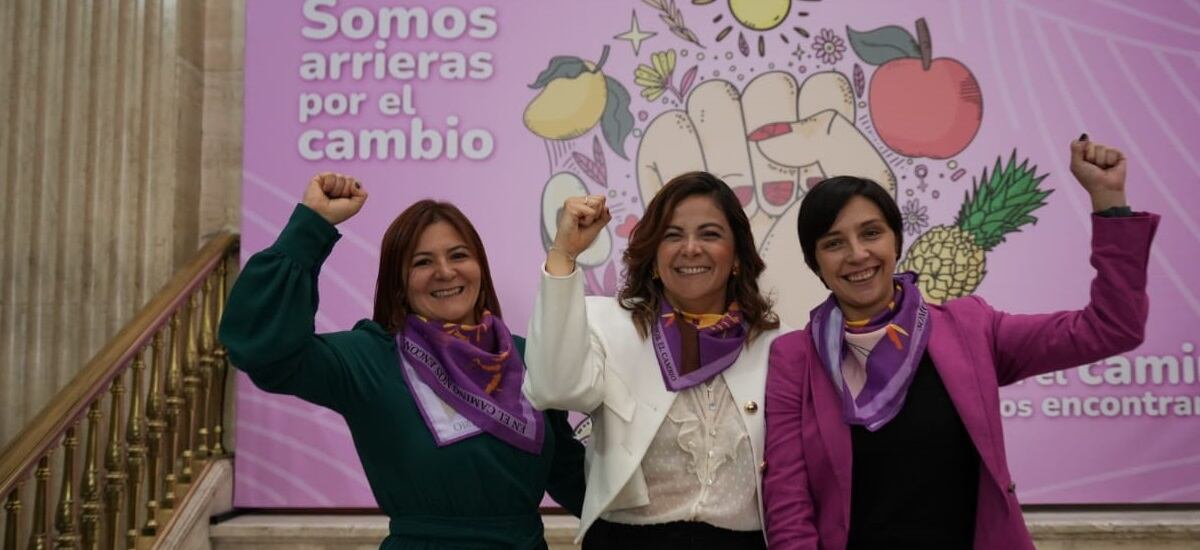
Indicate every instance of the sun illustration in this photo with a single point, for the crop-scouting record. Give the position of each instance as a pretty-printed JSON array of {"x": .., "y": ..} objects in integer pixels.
[{"x": 758, "y": 16}]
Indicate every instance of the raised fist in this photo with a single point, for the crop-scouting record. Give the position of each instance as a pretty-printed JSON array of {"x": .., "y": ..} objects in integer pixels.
[{"x": 336, "y": 197}]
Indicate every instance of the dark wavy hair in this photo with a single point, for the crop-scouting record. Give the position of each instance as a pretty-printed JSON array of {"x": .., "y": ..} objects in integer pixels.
[
  {"x": 641, "y": 293},
  {"x": 396, "y": 252}
]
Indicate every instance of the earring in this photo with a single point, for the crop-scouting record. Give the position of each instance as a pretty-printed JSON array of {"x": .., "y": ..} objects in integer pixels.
[{"x": 736, "y": 271}]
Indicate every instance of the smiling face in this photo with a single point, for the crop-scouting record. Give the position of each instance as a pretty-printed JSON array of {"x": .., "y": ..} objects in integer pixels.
[
  {"x": 857, "y": 257},
  {"x": 443, "y": 276},
  {"x": 696, "y": 256}
]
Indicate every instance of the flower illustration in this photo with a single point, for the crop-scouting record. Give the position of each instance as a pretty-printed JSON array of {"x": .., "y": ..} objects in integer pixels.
[
  {"x": 915, "y": 216},
  {"x": 828, "y": 47},
  {"x": 656, "y": 80}
]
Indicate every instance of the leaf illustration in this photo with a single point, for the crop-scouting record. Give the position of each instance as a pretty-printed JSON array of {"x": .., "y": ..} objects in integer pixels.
[
  {"x": 617, "y": 122},
  {"x": 685, "y": 82},
  {"x": 860, "y": 81},
  {"x": 876, "y": 47},
  {"x": 586, "y": 165},
  {"x": 610, "y": 280},
  {"x": 601, "y": 165},
  {"x": 687, "y": 34},
  {"x": 743, "y": 46},
  {"x": 562, "y": 66},
  {"x": 674, "y": 18},
  {"x": 593, "y": 167}
]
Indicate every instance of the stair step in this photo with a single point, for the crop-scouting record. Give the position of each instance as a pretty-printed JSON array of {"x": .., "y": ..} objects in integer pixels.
[
  {"x": 338, "y": 532},
  {"x": 302, "y": 532},
  {"x": 1052, "y": 530}
]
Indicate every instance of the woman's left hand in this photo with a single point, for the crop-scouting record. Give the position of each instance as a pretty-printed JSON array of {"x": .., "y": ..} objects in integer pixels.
[{"x": 1101, "y": 171}]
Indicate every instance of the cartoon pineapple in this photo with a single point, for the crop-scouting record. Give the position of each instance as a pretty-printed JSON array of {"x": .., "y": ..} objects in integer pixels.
[{"x": 950, "y": 259}]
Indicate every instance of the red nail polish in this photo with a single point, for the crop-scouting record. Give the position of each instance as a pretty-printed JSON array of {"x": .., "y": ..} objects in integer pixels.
[{"x": 771, "y": 130}]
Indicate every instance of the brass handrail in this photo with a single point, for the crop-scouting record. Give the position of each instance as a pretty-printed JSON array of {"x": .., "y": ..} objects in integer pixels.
[{"x": 140, "y": 464}]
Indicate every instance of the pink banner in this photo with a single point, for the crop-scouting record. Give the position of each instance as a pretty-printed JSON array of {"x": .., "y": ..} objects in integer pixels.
[{"x": 505, "y": 108}]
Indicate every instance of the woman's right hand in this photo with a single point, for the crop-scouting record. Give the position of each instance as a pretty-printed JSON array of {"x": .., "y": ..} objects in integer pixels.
[
  {"x": 1100, "y": 170},
  {"x": 335, "y": 197},
  {"x": 579, "y": 223}
]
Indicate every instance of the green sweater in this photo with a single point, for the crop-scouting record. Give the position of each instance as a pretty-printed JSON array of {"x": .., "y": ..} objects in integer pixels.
[{"x": 476, "y": 493}]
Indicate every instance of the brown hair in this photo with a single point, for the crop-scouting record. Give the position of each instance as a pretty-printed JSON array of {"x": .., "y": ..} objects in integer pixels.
[
  {"x": 642, "y": 292},
  {"x": 399, "y": 244}
]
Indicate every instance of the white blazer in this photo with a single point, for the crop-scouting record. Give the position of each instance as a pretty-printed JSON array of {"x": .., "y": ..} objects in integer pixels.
[{"x": 584, "y": 354}]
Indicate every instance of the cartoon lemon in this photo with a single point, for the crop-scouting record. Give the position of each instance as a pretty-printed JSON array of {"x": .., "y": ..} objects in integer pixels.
[
  {"x": 572, "y": 100},
  {"x": 760, "y": 15}
]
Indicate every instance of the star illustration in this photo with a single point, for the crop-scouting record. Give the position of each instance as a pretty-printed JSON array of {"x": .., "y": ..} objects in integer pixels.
[{"x": 635, "y": 35}]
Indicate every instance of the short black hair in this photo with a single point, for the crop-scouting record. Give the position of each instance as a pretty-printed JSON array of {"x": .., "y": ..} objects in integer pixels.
[{"x": 825, "y": 201}]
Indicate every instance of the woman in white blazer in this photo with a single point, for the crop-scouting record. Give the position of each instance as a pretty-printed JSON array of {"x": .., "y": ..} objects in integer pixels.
[{"x": 672, "y": 370}]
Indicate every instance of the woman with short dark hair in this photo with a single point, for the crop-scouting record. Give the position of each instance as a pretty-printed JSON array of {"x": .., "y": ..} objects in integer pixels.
[
  {"x": 821, "y": 210},
  {"x": 883, "y": 415}
]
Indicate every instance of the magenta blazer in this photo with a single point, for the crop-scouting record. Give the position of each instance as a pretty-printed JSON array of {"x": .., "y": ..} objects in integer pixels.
[{"x": 976, "y": 349}]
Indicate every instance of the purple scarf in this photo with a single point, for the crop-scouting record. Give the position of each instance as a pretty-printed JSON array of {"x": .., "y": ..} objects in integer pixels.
[
  {"x": 688, "y": 355},
  {"x": 891, "y": 364},
  {"x": 476, "y": 371}
]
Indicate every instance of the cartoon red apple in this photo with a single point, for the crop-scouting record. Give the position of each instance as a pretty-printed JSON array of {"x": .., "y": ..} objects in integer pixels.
[{"x": 920, "y": 106}]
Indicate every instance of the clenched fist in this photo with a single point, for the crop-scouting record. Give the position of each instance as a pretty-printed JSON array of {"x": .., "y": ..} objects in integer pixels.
[
  {"x": 1100, "y": 170},
  {"x": 579, "y": 223},
  {"x": 336, "y": 197}
]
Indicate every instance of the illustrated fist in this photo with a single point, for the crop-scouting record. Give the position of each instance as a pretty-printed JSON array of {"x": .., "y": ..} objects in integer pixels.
[
  {"x": 770, "y": 142},
  {"x": 722, "y": 132}
]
